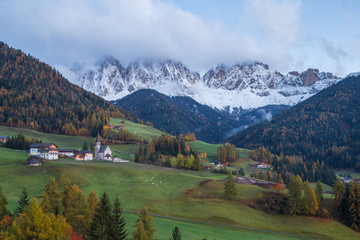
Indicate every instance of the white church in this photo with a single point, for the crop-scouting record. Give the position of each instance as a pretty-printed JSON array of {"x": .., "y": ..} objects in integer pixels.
[{"x": 102, "y": 152}]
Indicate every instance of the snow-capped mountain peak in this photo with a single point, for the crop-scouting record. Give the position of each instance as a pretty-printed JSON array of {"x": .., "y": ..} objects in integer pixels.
[{"x": 245, "y": 86}]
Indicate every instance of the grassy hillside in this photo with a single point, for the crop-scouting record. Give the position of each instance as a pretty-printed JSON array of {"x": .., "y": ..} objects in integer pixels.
[
  {"x": 61, "y": 140},
  {"x": 168, "y": 192},
  {"x": 138, "y": 129},
  {"x": 211, "y": 150}
]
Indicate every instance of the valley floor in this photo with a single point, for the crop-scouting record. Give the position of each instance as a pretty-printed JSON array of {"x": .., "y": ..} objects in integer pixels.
[{"x": 167, "y": 192}]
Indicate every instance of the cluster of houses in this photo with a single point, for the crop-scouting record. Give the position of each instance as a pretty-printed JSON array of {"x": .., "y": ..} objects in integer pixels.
[{"x": 50, "y": 151}]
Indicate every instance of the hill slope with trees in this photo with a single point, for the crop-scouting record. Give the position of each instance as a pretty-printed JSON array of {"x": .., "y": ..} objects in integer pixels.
[
  {"x": 178, "y": 115},
  {"x": 325, "y": 127},
  {"x": 35, "y": 96}
]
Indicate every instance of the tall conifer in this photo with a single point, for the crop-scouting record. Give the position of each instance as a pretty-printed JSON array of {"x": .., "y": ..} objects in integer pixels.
[
  {"x": 101, "y": 222},
  {"x": 118, "y": 231},
  {"x": 23, "y": 203}
]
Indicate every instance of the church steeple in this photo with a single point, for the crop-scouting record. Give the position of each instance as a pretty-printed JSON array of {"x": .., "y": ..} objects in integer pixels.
[{"x": 97, "y": 146}]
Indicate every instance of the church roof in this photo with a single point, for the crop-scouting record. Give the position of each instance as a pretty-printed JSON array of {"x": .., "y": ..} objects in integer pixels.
[
  {"x": 98, "y": 138},
  {"x": 103, "y": 148}
]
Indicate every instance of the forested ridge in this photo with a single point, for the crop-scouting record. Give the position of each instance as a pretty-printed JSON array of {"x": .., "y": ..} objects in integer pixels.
[
  {"x": 178, "y": 115},
  {"x": 35, "y": 96},
  {"x": 325, "y": 127}
]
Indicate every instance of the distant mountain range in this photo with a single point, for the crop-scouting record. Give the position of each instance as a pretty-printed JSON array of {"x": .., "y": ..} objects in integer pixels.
[
  {"x": 232, "y": 88},
  {"x": 179, "y": 114},
  {"x": 325, "y": 127}
]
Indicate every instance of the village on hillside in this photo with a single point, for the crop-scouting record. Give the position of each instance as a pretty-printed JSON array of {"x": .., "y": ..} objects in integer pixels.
[{"x": 50, "y": 151}]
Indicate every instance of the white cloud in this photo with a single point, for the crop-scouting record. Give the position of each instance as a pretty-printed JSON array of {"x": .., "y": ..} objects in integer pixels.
[
  {"x": 277, "y": 20},
  {"x": 67, "y": 31}
]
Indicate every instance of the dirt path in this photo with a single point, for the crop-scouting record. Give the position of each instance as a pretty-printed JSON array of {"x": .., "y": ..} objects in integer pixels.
[{"x": 252, "y": 181}]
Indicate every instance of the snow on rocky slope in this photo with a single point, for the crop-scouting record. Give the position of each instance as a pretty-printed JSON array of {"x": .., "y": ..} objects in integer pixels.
[{"x": 245, "y": 86}]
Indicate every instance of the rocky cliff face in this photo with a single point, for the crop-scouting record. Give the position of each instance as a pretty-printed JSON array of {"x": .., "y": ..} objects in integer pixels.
[{"x": 243, "y": 86}]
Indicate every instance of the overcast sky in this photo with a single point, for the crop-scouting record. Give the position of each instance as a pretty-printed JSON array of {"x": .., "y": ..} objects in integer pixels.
[{"x": 286, "y": 34}]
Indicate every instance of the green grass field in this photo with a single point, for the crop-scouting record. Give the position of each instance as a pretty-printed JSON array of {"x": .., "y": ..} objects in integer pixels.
[
  {"x": 138, "y": 129},
  {"x": 11, "y": 156},
  {"x": 352, "y": 174},
  {"x": 211, "y": 150},
  {"x": 62, "y": 141},
  {"x": 169, "y": 192}
]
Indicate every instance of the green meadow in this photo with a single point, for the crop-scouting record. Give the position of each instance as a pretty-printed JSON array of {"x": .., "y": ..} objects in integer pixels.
[
  {"x": 138, "y": 129},
  {"x": 62, "y": 141},
  {"x": 168, "y": 192}
]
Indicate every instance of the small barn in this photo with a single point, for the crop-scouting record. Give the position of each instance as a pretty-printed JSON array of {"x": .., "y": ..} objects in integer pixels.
[{"x": 33, "y": 161}]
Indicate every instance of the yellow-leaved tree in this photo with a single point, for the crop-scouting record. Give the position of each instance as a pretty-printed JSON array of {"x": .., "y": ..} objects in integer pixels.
[{"x": 33, "y": 223}]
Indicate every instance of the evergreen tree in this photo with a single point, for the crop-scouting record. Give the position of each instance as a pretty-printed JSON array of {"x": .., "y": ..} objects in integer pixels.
[
  {"x": 85, "y": 146},
  {"x": 241, "y": 172},
  {"x": 319, "y": 193},
  {"x": 338, "y": 192},
  {"x": 118, "y": 231},
  {"x": 50, "y": 200},
  {"x": 3, "y": 201},
  {"x": 230, "y": 190},
  {"x": 23, "y": 203},
  {"x": 100, "y": 227},
  {"x": 352, "y": 200},
  {"x": 144, "y": 224},
  {"x": 295, "y": 195},
  {"x": 176, "y": 235}
]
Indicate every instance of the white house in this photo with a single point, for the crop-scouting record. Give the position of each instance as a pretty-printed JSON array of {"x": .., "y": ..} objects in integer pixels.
[
  {"x": 69, "y": 153},
  {"x": 263, "y": 165},
  {"x": 49, "y": 153},
  {"x": 102, "y": 152},
  {"x": 84, "y": 155},
  {"x": 36, "y": 148}
]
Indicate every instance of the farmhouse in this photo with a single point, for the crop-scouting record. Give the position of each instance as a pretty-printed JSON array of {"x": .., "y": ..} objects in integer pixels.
[
  {"x": 46, "y": 151},
  {"x": 83, "y": 155},
  {"x": 69, "y": 153},
  {"x": 34, "y": 161},
  {"x": 102, "y": 152},
  {"x": 3, "y": 139},
  {"x": 263, "y": 165},
  {"x": 36, "y": 147}
]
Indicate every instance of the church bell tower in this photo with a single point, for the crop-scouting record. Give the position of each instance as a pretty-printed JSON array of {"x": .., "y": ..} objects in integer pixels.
[{"x": 97, "y": 146}]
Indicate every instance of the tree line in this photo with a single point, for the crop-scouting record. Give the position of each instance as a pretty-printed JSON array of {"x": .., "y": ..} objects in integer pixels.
[
  {"x": 20, "y": 142},
  {"x": 288, "y": 165},
  {"x": 228, "y": 153},
  {"x": 347, "y": 202},
  {"x": 170, "y": 151}
]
